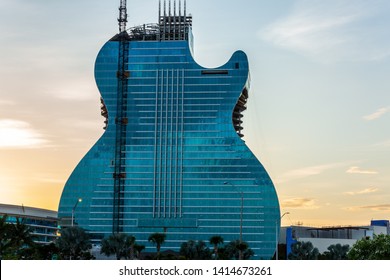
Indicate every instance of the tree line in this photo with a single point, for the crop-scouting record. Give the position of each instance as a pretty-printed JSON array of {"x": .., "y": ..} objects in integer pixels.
[
  {"x": 16, "y": 242},
  {"x": 376, "y": 248}
]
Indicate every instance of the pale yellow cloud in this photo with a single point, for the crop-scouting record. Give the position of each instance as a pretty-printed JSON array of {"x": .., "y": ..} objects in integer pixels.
[
  {"x": 383, "y": 144},
  {"x": 6, "y": 102},
  {"x": 307, "y": 172},
  {"x": 19, "y": 134},
  {"x": 358, "y": 170},
  {"x": 379, "y": 207},
  {"x": 299, "y": 203},
  {"x": 365, "y": 191}
]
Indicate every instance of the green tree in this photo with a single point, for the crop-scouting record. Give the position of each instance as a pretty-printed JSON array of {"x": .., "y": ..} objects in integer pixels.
[
  {"x": 5, "y": 236},
  {"x": 138, "y": 248},
  {"x": 215, "y": 241},
  {"x": 192, "y": 250},
  {"x": 303, "y": 251},
  {"x": 18, "y": 242},
  {"x": 119, "y": 244},
  {"x": 74, "y": 243},
  {"x": 238, "y": 250},
  {"x": 377, "y": 248},
  {"x": 130, "y": 252},
  {"x": 46, "y": 252},
  {"x": 336, "y": 252},
  {"x": 21, "y": 234},
  {"x": 158, "y": 239}
]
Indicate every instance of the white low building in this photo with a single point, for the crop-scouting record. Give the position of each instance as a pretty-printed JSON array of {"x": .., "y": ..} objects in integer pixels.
[{"x": 323, "y": 237}]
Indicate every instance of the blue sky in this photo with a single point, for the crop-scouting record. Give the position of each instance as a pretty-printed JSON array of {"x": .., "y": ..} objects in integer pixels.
[{"x": 318, "y": 115}]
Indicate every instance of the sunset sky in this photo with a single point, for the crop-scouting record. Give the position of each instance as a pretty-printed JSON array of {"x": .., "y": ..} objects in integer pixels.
[{"x": 319, "y": 106}]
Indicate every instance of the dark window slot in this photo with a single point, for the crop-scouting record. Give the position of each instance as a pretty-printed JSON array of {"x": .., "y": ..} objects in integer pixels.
[{"x": 215, "y": 72}]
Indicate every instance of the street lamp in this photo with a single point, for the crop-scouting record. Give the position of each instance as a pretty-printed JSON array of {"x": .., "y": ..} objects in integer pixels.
[
  {"x": 74, "y": 208},
  {"x": 277, "y": 235},
  {"x": 241, "y": 213}
]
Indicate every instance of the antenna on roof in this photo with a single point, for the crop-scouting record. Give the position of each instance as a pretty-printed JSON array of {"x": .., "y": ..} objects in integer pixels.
[
  {"x": 185, "y": 7},
  {"x": 159, "y": 11},
  {"x": 122, "y": 20}
]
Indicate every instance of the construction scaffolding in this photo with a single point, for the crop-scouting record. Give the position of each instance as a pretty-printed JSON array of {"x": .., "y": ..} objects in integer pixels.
[{"x": 173, "y": 24}]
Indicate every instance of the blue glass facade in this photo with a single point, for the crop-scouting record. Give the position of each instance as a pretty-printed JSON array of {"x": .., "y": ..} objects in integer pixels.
[{"x": 181, "y": 160}]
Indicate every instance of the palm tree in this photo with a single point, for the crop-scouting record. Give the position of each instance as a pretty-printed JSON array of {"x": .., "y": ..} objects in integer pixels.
[
  {"x": 138, "y": 248},
  {"x": 192, "y": 250},
  {"x": 130, "y": 245},
  {"x": 5, "y": 239},
  {"x": 15, "y": 239},
  {"x": 303, "y": 251},
  {"x": 157, "y": 239},
  {"x": 21, "y": 240},
  {"x": 114, "y": 244},
  {"x": 215, "y": 241},
  {"x": 21, "y": 234},
  {"x": 74, "y": 243},
  {"x": 187, "y": 250},
  {"x": 47, "y": 252},
  {"x": 120, "y": 244},
  {"x": 238, "y": 250}
]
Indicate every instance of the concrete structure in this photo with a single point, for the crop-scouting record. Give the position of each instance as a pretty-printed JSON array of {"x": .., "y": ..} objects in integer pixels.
[
  {"x": 323, "y": 237},
  {"x": 44, "y": 223}
]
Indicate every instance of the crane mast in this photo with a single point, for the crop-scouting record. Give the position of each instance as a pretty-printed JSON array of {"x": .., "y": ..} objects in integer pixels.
[
  {"x": 121, "y": 122},
  {"x": 122, "y": 20}
]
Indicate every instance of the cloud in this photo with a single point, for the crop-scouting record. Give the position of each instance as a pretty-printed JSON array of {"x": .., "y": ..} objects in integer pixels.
[
  {"x": 379, "y": 207},
  {"x": 19, "y": 134},
  {"x": 376, "y": 115},
  {"x": 365, "y": 191},
  {"x": 6, "y": 102},
  {"x": 332, "y": 30},
  {"x": 306, "y": 172},
  {"x": 76, "y": 91},
  {"x": 299, "y": 202},
  {"x": 383, "y": 144},
  {"x": 358, "y": 170},
  {"x": 51, "y": 180}
]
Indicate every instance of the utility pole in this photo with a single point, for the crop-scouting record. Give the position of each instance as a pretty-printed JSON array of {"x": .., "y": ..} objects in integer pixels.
[
  {"x": 277, "y": 235},
  {"x": 241, "y": 214},
  {"x": 74, "y": 209}
]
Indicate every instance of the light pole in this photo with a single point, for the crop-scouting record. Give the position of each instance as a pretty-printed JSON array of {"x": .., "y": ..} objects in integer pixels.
[
  {"x": 241, "y": 213},
  {"x": 74, "y": 208},
  {"x": 277, "y": 235}
]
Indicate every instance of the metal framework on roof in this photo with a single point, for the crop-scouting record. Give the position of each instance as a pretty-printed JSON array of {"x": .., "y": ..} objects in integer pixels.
[{"x": 173, "y": 24}]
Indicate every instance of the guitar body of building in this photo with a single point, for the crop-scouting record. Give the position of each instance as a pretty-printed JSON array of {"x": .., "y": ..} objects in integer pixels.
[{"x": 172, "y": 158}]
